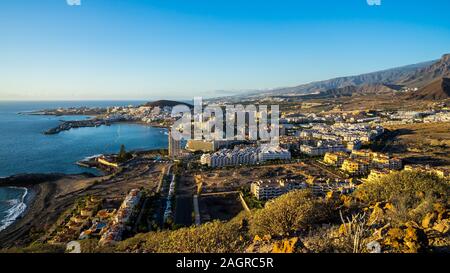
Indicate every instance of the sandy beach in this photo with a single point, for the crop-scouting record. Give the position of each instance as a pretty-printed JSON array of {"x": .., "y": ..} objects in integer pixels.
[
  {"x": 39, "y": 213},
  {"x": 49, "y": 198}
]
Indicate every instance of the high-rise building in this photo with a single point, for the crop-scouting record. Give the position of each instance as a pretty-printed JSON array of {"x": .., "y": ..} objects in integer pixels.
[{"x": 174, "y": 146}]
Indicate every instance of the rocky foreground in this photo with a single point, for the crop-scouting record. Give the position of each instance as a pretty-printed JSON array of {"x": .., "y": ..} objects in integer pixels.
[{"x": 404, "y": 212}]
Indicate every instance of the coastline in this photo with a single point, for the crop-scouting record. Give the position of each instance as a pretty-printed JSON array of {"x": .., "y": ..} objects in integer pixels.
[
  {"x": 52, "y": 195},
  {"x": 18, "y": 209},
  {"x": 96, "y": 119},
  {"x": 96, "y": 122},
  {"x": 48, "y": 195},
  {"x": 29, "y": 183},
  {"x": 37, "y": 213}
]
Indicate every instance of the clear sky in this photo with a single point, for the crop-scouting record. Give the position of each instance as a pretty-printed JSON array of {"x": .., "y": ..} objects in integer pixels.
[{"x": 150, "y": 49}]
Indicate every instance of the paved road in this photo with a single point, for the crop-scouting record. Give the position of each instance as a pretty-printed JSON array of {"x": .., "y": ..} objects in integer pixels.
[{"x": 185, "y": 191}]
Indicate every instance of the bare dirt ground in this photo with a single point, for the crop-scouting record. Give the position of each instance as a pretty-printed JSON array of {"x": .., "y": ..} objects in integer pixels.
[
  {"x": 385, "y": 102},
  {"x": 422, "y": 143},
  {"x": 219, "y": 188},
  {"x": 221, "y": 207},
  {"x": 223, "y": 180},
  {"x": 390, "y": 102}
]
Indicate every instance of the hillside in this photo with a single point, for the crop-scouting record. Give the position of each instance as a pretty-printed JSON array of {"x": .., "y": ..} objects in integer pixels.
[
  {"x": 416, "y": 75},
  {"x": 390, "y": 76},
  {"x": 349, "y": 91},
  {"x": 436, "y": 90},
  {"x": 422, "y": 77},
  {"x": 164, "y": 103},
  {"x": 301, "y": 222}
]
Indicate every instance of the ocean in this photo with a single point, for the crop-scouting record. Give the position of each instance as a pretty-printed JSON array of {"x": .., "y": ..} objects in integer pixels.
[
  {"x": 25, "y": 149},
  {"x": 12, "y": 205}
]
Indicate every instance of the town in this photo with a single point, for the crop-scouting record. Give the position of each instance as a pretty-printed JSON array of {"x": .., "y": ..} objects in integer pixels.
[{"x": 199, "y": 180}]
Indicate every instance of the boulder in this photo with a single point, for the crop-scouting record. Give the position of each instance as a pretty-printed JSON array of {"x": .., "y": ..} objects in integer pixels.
[
  {"x": 286, "y": 246},
  {"x": 394, "y": 238},
  {"x": 390, "y": 207},
  {"x": 260, "y": 245},
  {"x": 442, "y": 226},
  {"x": 378, "y": 214},
  {"x": 429, "y": 219},
  {"x": 414, "y": 239}
]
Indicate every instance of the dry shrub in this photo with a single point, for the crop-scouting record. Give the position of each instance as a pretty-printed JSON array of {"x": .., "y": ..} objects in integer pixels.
[
  {"x": 288, "y": 214},
  {"x": 412, "y": 194}
]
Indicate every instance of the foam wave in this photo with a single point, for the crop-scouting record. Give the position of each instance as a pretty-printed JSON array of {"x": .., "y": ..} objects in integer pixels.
[
  {"x": 12, "y": 202},
  {"x": 18, "y": 207},
  {"x": 91, "y": 157}
]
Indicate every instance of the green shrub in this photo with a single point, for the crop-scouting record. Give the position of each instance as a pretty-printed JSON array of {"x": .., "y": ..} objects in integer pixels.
[
  {"x": 213, "y": 237},
  {"x": 37, "y": 248},
  {"x": 289, "y": 213},
  {"x": 412, "y": 194}
]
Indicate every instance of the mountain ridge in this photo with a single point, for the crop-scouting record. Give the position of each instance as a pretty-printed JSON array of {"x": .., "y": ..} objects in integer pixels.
[
  {"x": 387, "y": 76},
  {"x": 436, "y": 90},
  {"x": 413, "y": 76},
  {"x": 426, "y": 75}
]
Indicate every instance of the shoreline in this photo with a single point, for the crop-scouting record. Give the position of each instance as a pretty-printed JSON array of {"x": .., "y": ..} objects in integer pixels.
[
  {"x": 41, "y": 190},
  {"x": 52, "y": 195},
  {"x": 40, "y": 195},
  {"x": 94, "y": 120},
  {"x": 29, "y": 182},
  {"x": 17, "y": 211},
  {"x": 49, "y": 195},
  {"x": 94, "y": 123}
]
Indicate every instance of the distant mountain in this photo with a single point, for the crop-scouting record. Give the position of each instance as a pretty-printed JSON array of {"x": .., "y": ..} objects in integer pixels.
[
  {"x": 390, "y": 76},
  {"x": 353, "y": 90},
  {"x": 416, "y": 75},
  {"x": 164, "y": 103},
  {"x": 436, "y": 90},
  {"x": 422, "y": 77}
]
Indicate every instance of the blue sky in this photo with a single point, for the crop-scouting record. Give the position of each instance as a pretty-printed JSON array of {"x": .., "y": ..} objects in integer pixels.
[{"x": 151, "y": 49}]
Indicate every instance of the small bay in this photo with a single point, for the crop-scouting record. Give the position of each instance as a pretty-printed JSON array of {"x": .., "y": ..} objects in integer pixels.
[{"x": 25, "y": 149}]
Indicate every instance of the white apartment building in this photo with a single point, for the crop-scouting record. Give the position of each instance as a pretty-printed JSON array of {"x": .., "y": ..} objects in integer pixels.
[
  {"x": 321, "y": 150},
  {"x": 269, "y": 189},
  {"x": 268, "y": 152},
  {"x": 244, "y": 156},
  {"x": 438, "y": 117},
  {"x": 227, "y": 157}
]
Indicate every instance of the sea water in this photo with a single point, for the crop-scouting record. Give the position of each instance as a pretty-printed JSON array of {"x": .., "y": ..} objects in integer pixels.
[
  {"x": 12, "y": 205},
  {"x": 25, "y": 149}
]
